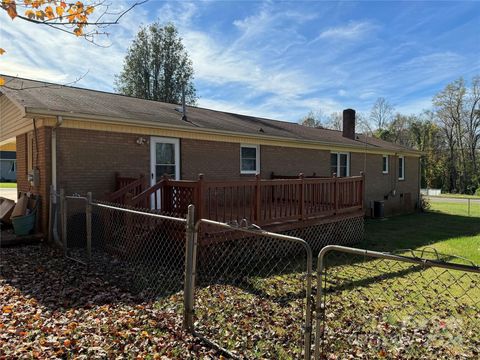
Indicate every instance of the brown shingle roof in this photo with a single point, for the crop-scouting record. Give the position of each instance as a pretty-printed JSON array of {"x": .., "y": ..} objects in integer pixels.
[{"x": 54, "y": 98}]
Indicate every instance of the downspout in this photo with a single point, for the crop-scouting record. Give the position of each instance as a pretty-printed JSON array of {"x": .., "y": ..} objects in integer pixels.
[{"x": 55, "y": 219}]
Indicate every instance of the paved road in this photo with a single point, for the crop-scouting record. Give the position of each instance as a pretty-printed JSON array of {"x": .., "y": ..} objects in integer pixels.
[
  {"x": 451, "y": 200},
  {"x": 9, "y": 193}
]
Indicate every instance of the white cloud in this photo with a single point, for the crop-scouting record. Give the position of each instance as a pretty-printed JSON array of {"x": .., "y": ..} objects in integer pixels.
[
  {"x": 56, "y": 56},
  {"x": 415, "y": 106},
  {"x": 351, "y": 31}
]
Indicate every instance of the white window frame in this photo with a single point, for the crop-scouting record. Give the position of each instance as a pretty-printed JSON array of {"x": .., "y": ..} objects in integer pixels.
[
  {"x": 383, "y": 170},
  {"x": 338, "y": 162},
  {"x": 402, "y": 175},
  {"x": 257, "y": 159}
]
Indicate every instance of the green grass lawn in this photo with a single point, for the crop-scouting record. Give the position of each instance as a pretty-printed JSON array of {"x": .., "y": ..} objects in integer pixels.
[
  {"x": 459, "y": 209},
  {"x": 445, "y": 227},
  {"x": 7, "y": 185},
  {"x": 404, "y": 308}
]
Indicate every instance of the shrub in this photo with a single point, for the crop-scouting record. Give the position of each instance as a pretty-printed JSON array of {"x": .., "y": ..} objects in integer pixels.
[{"x": 424, "y": 203}]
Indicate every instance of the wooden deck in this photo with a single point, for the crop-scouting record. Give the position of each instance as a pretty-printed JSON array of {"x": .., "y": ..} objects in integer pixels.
[{"x": 266, "y": 203}]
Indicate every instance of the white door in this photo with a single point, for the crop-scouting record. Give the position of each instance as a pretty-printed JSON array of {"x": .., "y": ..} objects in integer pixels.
[{"x": 164, "y": 160}]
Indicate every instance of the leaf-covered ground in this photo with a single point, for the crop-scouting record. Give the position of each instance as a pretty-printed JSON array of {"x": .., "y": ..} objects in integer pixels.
[{"x": 54, "y": 308}]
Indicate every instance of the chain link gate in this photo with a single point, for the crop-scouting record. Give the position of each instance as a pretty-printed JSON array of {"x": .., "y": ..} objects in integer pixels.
[
  {"x": 417, "y": 304},
  {"x": 250, "y": 291}
]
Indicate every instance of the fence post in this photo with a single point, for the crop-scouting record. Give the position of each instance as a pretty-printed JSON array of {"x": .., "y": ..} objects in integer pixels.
[
  {"x": 50, "y": 214},
  {"x": 63, "y": 217},
  {"x": 302, "y": 196},
  {"x": 189, "y": 285},
  {"x": 88, "y": 222},
  {"x": 468, "y": 206},
  {"x": 335, "y": 192}
]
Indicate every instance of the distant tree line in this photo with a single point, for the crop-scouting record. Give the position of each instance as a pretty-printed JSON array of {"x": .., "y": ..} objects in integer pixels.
[{"x": 448, "y": 134}]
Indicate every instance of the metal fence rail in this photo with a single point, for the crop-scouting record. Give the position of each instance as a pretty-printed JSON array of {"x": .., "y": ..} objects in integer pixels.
[
  {"x": 415, "y": 305},
  {"x": 252, "y": 291}
]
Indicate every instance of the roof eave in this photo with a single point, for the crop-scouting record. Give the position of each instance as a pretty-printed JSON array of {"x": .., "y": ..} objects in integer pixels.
[{"x": 35, "y": 112}]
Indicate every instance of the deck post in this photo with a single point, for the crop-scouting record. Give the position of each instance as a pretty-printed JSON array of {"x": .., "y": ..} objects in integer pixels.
[
  {"x": 199, "y": 205},
  {"x": 165, "y": 195},
  {"x": 256, "y": 212},
  {"x": 335, "y": 192},
  {"x": 301, "y": 176},
  {"x": 362, "y": 174}
]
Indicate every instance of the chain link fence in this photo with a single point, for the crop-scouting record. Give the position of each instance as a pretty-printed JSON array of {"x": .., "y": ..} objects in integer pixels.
[
  {"x": 252, "y": 291},
  {"x": 344, "y": 231},
  {"x": 415, "y": 305},
  {"x": 248, "y": 292},
  {"x": 460, "y": 206},
  {"x": 140, "y": 250}
]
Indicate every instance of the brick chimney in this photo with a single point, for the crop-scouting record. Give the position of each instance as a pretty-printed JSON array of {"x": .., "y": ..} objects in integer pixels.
[{"x": 349, "y": 123}]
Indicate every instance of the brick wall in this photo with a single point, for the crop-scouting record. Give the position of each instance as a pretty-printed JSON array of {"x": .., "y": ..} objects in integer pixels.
[
  {"x": 40, "y": 160},
  {"x": 216, "y": 160},
  {"x": 291, "y": 161},
  {"x": 87, "y": 160},
  {"x": 220, "y": 160},
  {"x": 379, "y": 186}
]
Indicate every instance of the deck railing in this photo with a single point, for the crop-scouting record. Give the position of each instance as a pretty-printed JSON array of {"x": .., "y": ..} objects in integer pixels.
[
  {"x": 127, "y": 188},
  {"x": 262, "y": 202}
]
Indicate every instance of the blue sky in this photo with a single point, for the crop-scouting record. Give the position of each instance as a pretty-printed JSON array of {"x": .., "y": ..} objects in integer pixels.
[{"x": 278, "y": 59}]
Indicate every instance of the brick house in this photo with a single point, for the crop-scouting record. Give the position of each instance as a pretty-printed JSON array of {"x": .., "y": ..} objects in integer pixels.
[{"x": 78, "y": 139}]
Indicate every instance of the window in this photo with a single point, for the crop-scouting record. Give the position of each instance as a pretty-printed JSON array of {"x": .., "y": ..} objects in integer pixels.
[
  {"x": 385, "y": 164},
  {"x": 249, "y": 159},
  {"x": 340, "y": 164},
  {"x": 13, "y": 166},
  {"x": 401, "y": 168}
]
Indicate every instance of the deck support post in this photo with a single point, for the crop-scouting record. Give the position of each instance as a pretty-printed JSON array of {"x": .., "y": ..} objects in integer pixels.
[
  {"x": 199, "y": 201},
  {"x": 301, "y": 176},
  {"x": 362, "y": 174},
  {"x": 256, "y": 212},
  {"x": 335, "y": 193}
]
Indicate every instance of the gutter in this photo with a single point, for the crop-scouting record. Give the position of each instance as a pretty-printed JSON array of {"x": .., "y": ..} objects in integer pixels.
[{"x": 73, "y": 116}]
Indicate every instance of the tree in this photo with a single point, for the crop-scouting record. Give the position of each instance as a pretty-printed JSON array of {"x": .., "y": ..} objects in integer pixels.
[
  {"x": 157, "y": 67},
  {"x": 335, "y": 121},
  {"x": 312, "y": 119},
  {"x": 77, "y": 18},
  {"x": 381, "y": 113},
  {"x": 457, "y": 112}
]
